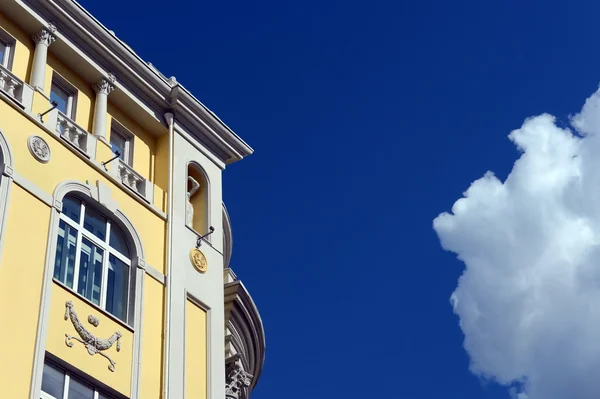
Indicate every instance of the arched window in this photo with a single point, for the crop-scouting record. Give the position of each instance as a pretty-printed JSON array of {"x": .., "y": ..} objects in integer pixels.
[
  {"x": 93, "y": 258},
  {"x": 197, "y": 199}
]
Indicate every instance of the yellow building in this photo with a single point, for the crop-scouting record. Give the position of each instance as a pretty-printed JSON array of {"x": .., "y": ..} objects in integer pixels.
[{"x": 110, "y": 284}]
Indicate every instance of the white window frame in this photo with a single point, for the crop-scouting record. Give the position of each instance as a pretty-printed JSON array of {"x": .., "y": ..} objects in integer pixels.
[
  {"x": 9, "y": 42},
  {"x": 108, "y": 250},
  {"x": 128, "y": 137},
  {"x": 61, "y": 83},
  {"x": 44, "y": 395}
]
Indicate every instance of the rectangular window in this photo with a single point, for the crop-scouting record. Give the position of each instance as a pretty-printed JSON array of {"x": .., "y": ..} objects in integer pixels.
[
  {"x": 3, "y": 52},
  {"x": 60, "y": 384},
  {"x": 7, "y": 45},
  {"x": 122, "y": 141},
  {"x": 64, "y": 95}
]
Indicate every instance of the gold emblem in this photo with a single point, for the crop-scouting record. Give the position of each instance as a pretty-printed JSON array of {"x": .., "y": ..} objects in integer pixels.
[{"x": 198, "y": 260}]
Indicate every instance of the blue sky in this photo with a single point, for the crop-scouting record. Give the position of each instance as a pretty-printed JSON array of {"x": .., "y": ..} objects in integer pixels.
[{"x": 368, "y": 120}]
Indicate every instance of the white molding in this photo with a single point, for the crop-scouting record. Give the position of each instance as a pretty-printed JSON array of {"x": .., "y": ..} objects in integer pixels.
[
  {"x": 92, "y": 163},
  {"x": 32, "y": 189},
  {"x": 101, "y": 193},
  {"x": 155, "y": 274},
  {"x": 140, "y": 82}
]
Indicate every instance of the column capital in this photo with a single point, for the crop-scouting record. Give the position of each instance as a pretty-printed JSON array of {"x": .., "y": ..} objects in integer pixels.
[
  {"x": 45, "y": 35},
  {"x": 105, "y": 85},
  {"x": 236, "y": 379}
]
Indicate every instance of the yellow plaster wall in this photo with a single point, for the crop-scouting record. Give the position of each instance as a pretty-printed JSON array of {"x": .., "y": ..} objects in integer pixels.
[
  {"x": 152, "y": 349},
  {"x": 24, "y": 47},
  {"x": 77, "y": 355},
  {"x": 84, "y": 110},
  {"x": 195, "y": 351},
  {"x": 20, "y": 288},
  {"x": 65, "y": 165}
]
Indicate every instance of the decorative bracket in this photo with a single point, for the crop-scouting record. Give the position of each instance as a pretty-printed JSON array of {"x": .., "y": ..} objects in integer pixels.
[{"x": 93, "y": 344}]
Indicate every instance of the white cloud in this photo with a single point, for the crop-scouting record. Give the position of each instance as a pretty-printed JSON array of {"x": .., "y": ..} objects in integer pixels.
[{"x": 529, "y": 297}]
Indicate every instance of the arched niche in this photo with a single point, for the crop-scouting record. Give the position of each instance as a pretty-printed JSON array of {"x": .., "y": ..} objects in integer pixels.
[{"x": 197, "y": 215}]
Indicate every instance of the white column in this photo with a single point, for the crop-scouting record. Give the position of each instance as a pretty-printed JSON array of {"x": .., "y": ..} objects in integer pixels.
[
  {"x": 102, "y": 88},
  {"x": 43, "y": 39}
]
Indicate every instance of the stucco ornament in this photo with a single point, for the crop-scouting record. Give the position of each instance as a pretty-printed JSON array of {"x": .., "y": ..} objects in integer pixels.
[
  {"x": 189, "y": 211},
  {"x": 93, "y": 344},
  {"x": 198, "y": 260},
  {"x": 236, "y": 379},
  {"x": 39, "y": 148}
]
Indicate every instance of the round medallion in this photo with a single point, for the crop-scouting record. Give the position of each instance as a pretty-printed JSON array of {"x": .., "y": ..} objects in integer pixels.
[
  {"x": 198, "y": 260},
  {"x": 39, "y": 148}
]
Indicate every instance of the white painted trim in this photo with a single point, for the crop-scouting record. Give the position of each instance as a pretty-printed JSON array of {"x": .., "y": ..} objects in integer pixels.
[
  {"x": 32, "y": 189},
  {"x": 99, "y": 194},
  {"x": 155, "y": 274}
]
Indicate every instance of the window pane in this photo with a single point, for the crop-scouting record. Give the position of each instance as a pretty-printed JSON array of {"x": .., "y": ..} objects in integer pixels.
[
  {"x": 117, "y": 287},
  {"x": 64, "y": 262},
  {"x": 117, "y": 143},
  {"x": 79, "y": 390},
  {"x": 53, "y": 381},
  {"x": 95, "y": 223},
  {"x": 103, "y": 396},
  {"x": 90, "y": 271},
  {"x": 118, "y": 242},
  {"x": 3, "y": 53},
  {"x": 72, "y": 208},
  {"x": 61, "y": 96}
]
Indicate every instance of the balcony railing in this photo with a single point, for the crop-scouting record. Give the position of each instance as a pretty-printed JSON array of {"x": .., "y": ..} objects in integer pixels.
[
  {"x": 132, "y": 179},
  {"x": 16, "y": 88},
  {"x": 75, "y": 135}
]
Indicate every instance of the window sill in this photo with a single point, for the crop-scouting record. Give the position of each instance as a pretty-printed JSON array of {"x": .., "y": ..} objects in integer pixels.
[{"x": 90, "y": 303}]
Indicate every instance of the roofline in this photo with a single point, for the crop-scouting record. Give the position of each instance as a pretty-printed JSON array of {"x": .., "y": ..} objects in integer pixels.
[{"x": 165, "y": 93}]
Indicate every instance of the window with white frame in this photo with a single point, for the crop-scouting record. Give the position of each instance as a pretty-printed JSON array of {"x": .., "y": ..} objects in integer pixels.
[
  {"x": 122, "y": 141},
  {"x": 7, "y": 44},
  {"x": 60, "y": 384},
  {"x": 64, "y": 95},
  {"x": 93, "y": 259}
]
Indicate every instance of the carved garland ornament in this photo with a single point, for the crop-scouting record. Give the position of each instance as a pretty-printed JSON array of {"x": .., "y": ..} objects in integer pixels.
[{"x": 93, "y": 344}]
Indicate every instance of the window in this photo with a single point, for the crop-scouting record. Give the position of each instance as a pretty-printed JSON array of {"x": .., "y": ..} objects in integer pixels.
[
  {"x": 7, "y": 44},
  {"x": 59, "y": 384},
  {"x": 93, "y": 258},
  {"x": 64, "y": 95},
  {"x": 122, "y": 141}
]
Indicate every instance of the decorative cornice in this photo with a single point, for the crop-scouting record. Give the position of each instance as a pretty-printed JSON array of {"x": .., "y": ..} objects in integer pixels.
[
  {"x": 105, "y": 85},
  {"x": 245, "y": 325},
  {"x": 45, "y": 35}
]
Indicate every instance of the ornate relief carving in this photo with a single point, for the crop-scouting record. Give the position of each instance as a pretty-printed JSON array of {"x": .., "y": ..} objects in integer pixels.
[
  {"x": 39, "y": 148},
  {"x": 198, "y": 260},
  {"x": 93, "y": 344},
  {"x": 104, "y": 85},
  {"x": 93, "y": 321},
  {"x": 236, "y": 379},
  {"x": 45, "y": 35}
]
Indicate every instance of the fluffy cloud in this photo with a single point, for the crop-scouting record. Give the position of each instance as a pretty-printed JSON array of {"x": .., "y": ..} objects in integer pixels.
[{"x": 529, "y": 298}]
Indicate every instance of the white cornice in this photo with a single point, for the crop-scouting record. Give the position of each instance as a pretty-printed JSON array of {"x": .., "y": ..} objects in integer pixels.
[
  {"x": 108, "y": 54},
  {"x": 241, "y": 315}
]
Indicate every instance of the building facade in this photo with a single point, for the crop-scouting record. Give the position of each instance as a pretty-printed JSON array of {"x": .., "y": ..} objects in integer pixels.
[{"x": 115, "y": 242}]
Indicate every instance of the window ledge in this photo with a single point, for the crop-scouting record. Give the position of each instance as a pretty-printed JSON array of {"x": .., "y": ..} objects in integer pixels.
[{"x": 98, "y": 308}]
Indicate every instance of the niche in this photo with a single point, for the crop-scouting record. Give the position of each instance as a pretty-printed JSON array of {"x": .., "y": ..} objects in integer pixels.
[{"x": 196, "y": 213}]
